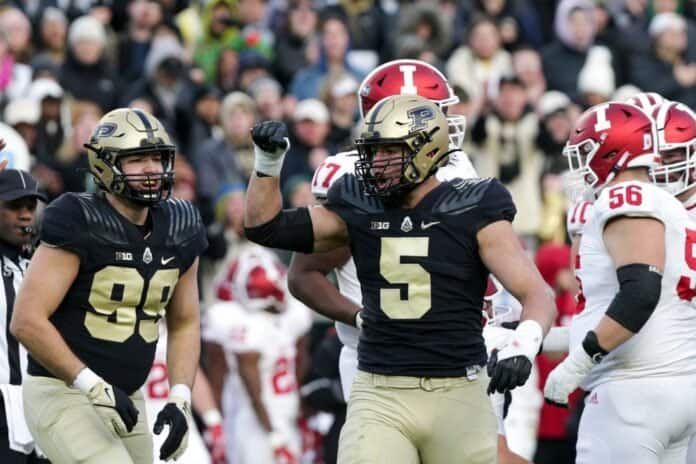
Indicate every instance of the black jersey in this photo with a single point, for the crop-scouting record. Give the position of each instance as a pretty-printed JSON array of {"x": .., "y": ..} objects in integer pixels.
[
  {"x": 421, "y": 275},
  {"x": 109, "y": 315}
]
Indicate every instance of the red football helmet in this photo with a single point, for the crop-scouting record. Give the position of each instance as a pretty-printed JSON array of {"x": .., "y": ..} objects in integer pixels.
[
  {"x": 647, "y": 101},
  {"x": 676, "y": 142},
  {"x": 412, "y": 77},
  {"x": 607, "y": 139},
  {"x": 255, "y": 280}
]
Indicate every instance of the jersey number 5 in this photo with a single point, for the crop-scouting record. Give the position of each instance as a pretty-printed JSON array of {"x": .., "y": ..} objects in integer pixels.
[
  {"x": 117, "y": 293},
  {"x": 411, "y": 275}
]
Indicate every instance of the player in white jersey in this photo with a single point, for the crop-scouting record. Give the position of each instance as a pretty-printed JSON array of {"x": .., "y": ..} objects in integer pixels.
[
  {"x": 156, "y": 391},
  {"x": 258, "y": 332},
  {"x": 676, "y": 173},
  {"x": 634, "y": 344}
]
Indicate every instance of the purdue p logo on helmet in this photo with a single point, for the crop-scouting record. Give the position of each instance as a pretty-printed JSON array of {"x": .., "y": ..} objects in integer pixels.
[
  {"x": 126, "y": 132},
  {"x": 411, "y": 125}
]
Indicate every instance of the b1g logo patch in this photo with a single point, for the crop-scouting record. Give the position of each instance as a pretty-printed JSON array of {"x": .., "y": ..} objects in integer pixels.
[
  {"x": 419, "y": 116},
  {"x": 105, "y": 130}
]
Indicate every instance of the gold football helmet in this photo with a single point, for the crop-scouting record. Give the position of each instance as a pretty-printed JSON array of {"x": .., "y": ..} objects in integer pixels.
[
  {"x": 404, "y": 139},
  {"x": 126, "y": 132}
]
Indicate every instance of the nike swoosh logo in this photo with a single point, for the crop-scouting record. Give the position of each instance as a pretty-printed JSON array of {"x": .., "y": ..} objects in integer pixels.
[
  {"x": 167, "y": 261},
  {"x": 428, "y": 225}
]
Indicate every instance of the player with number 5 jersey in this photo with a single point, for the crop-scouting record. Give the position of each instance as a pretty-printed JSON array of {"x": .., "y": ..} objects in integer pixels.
[{"x": 633, "y": 347}]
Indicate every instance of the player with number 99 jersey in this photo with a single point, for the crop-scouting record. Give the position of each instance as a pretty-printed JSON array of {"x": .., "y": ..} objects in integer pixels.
[{"x": 109, "y": 315}]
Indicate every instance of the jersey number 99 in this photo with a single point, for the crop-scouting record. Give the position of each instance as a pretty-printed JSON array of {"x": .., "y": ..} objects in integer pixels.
[{"x": 117, "y": 293}]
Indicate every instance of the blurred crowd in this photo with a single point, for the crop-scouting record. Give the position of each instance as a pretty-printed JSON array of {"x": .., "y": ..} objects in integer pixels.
[{"x": 209, "y": 70}]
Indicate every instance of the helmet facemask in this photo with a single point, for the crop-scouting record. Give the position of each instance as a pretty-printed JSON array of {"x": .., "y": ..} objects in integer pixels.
[
  {"x": 379, "y": 176},
  {"x": 677, "y": 171}
]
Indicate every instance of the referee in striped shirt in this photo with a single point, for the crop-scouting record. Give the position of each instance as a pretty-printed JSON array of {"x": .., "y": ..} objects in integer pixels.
[{"x": 19, "y": 195}]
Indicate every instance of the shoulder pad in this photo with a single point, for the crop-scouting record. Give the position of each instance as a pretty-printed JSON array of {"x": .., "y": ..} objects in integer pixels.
[
  {"x": 348, "y": 191},
  {"x": 464, "y": 195},
  {"x": 102, "y": 222},
  {"x": 633, "y": 199},
  {"x": 184, "y": 221}
]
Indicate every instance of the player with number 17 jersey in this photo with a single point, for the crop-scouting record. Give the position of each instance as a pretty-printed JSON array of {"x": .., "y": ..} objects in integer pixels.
[{"x": 666, "y": 345}]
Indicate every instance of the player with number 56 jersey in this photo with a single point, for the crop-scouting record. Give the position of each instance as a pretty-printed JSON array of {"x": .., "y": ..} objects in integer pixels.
[{"x": 633, "y": 347}]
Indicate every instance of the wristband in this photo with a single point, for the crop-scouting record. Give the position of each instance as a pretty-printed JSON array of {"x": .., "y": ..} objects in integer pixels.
[
  {"x": 85, "y": 380},
  {"x": 211, "y": 418},
  {"x": 268, "y": 163},
  {"x": 181, "y": 391}
]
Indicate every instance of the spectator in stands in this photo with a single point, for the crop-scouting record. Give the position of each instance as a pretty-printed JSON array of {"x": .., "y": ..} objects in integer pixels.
[
  {"x": 255, "y": 32},
  {"x": 338, "y": 93},
  {"x": 479, "y": 64},
  {"x": 205, "y": 119},
  {"x": 71, "y": 159},
  {"x": 226, "y": 161},
  {"x": 556, "y": 117},
  {"x": 308, "y": 147},
  {"x": 507, "y": 143},
  {"x": 669, "y": 68},
  {"x": 268, "y": 95},
  {"x": 565, "y": 57},
  {"x": 86, "y": 63},
  {"x": 22, "y": 114},
  {"x": 526, "y": 64},
  {"x": 220, "y": 31},
  {"x": 18, "y": 29},
  {"x": 252, "y": 65},
  {"x": 371, "y": 30},
  {"x": 335, "y": 41},
  {"x": 519, "y": 21},
  {"x": 292, "y": 40},
  {"x": 424, "y": 20},
  {"x": 596, "y": 82},
  {"x": 51, "y": 131},
  {"x": 167, "y": 87},
  {"x": 53, "y": 32},
  {"x": 134, "y": 42},
  {"x": 14, "y": 77}
]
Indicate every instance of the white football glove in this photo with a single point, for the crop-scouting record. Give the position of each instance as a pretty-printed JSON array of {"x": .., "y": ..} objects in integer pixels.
[
  {"x": 566, "y": 377},
  {"x": 271, "y": 143},
  {"x": 176, "y": 414},
  {"x": 112, "y": 404}
]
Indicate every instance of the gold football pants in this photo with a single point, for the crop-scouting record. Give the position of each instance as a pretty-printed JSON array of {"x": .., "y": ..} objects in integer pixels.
[
  {"x": 68, "y": 429},
  {"x": 414, "y": 420}
]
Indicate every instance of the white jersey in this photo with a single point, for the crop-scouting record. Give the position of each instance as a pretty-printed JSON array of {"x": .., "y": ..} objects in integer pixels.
[
  {"x": 274, "y": 337},
  {"x": 577, "y": 217},
  {"x": 330, "y": 170},
  {"x": 156, "y": 392},
  {"x": 666, "y": 345}
]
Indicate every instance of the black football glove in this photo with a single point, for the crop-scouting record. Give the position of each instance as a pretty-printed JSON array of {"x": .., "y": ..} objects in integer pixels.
[
  {"x": 271, "y": 136},
  {"x": 175, "y": 414},
  {"x": 510, "y": 366},
  {"x": 507, "y": 374}
]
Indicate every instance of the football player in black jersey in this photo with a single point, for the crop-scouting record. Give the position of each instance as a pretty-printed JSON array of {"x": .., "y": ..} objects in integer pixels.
[
  {"x": 108, "y": 267},
  {"x": 423, "y": 251}
]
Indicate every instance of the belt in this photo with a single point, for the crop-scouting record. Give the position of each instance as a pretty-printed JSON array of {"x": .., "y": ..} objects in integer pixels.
[{"x": 423, "y": 383}]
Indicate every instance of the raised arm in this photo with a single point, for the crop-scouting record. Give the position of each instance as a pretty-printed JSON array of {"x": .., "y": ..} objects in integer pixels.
[{"x": 302, "y": 229}]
